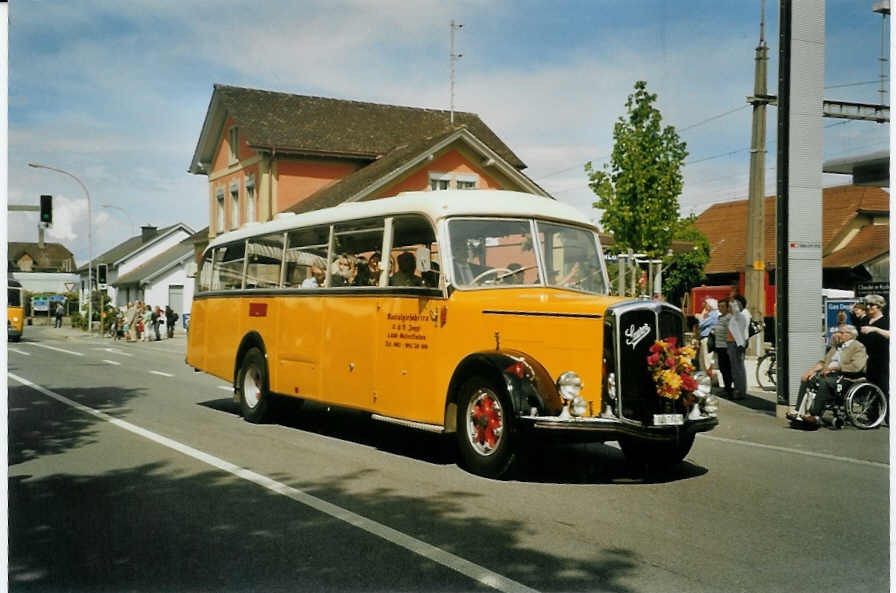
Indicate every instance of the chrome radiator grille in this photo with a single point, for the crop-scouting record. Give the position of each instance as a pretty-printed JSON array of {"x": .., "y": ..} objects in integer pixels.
[{"x": 637, "y": 326}]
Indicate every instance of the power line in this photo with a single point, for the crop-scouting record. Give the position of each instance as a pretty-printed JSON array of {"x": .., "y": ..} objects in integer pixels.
[
  {"x": 840, "y": 86},
  {"x": 714, "y": 117}
]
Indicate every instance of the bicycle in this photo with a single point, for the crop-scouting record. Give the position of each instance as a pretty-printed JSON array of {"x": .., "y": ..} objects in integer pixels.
[{"x": 766, "y": 370}]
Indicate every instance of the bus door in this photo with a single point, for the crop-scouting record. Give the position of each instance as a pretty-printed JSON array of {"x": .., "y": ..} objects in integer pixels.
[
  {"x": 408, "y": 325},
  {"x": 301, "y": 315},
  {"x": 348, "y": 352}
]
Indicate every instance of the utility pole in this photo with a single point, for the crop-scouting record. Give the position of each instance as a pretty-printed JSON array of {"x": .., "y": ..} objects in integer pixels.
[
  {"x": 883, "y": 9},
  {"x": 754, "y": 269},
  {"x": 452, "y": 58}
]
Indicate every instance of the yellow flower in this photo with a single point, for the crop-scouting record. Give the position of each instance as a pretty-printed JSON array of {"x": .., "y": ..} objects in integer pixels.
[{"x": 672, "y": 379}]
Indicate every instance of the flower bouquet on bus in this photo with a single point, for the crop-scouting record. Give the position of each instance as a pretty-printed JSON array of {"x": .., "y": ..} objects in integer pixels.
[{"x": 673, "y": 371}]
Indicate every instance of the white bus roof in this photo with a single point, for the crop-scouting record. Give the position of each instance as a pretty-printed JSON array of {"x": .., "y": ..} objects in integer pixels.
[{"x": 435, "y": 204}]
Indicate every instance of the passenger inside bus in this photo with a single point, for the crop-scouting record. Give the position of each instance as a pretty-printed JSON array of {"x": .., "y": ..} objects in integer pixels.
[
  {"x": 368, "y": 272},
  {"x": 405, "y": 276},
  {"x": 316, "y": 279}
]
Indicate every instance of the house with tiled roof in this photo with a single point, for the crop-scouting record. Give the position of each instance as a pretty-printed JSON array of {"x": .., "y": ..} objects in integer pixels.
[
  {"x": 36, "y": 257},
  {"x": 41, "y": 267},
  {"x": 855, "y": 237},
  {"x": 148, "y": 267},
  {"x": 268, "y": 152}
]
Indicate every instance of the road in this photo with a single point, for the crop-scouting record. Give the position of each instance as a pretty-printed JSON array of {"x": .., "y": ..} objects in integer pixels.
[{"x": 129, "y": 471}]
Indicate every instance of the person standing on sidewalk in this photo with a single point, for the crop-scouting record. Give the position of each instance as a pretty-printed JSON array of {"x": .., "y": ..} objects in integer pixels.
[
  {"x": 59, "y": 313},
  {"x": 170, "y": 319},
  {"x": 708, "y": 318},
  {"x": 130, "y": 319},
  {"x": 738, "y": 328},
  {"x": 875, "y": 336},
  {"x": 720, "y": 337}
]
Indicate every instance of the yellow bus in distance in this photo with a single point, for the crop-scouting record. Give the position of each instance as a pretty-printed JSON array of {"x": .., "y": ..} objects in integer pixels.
[
  {"x": 15, "y": 310},
  {"x": 481, "y": 313}
]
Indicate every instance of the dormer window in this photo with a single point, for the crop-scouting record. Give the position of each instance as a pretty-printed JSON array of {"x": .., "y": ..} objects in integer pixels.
[{"x": 234, "y": 140}]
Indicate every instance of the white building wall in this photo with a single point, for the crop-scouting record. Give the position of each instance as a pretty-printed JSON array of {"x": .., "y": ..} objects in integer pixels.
[
  {"x": 47, "y": 281},
  {"x": 156, "y": 293},
  {"x": 144, "y": 256}
]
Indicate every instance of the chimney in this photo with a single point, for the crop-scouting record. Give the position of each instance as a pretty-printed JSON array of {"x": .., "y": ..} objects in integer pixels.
[{"x": 148, "y": 232}]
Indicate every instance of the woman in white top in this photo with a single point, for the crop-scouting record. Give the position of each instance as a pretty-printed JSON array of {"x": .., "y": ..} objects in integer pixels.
[{"x": 738, "y": 334}]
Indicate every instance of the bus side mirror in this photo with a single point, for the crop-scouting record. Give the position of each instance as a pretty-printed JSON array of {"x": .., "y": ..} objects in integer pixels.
[
  {"x": 190, "y": 269},
  {"x": 424, "y": 264}
]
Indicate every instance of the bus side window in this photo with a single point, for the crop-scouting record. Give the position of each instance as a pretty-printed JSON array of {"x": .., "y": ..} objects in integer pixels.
[
  {"x": 414, "y": 249},
  {"x": 306, "y": 257},
  {"x": 227, "y": 271},
  {"x": 356, "y": 253},
  {"x": 205, "y": 274},
  {"x": 265, "y": 254}
]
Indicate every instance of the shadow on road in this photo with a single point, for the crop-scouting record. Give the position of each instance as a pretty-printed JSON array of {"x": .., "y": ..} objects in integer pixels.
[
  {"x": 40, "y": 426},
  {"x": 583, "y": 463},
  {"x": 149, "y": 528}
]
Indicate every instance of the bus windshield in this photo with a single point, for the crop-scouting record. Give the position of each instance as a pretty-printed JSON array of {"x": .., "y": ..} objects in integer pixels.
[
  {"x": 14, "y": 297},
  {"x": 501, "y": 252}
]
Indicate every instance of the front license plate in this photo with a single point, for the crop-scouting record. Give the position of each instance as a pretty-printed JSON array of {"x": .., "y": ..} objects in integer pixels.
[{"x": 668, "y": 419}]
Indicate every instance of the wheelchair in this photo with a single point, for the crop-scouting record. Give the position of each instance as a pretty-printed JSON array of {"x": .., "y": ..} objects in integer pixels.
[{"x": 855, "y": 399}]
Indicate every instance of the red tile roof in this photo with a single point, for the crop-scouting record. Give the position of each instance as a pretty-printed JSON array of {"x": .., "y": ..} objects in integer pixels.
[{"x": 725, "y": 225}]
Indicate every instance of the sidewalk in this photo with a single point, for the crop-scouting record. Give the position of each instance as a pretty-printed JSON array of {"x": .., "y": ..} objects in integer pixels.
[{"x": 67, "y": 332}]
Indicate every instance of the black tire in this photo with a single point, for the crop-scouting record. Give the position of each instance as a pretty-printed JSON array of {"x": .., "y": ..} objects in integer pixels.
[
  {"x": 252, "y": 387},
  {"x": 766, "y": 372},
  {"x": 485, "y": 429},
  {"x": 656, "y": 454},
  {"x": 866, "y": 406}
]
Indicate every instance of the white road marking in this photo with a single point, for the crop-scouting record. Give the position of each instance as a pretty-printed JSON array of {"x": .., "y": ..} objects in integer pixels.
[
  {"x": 114, "y": 351},
  {"x": 161, "y": 373},
  {"x": 795, "y": 451},
  {"x": 225, "y": 387},
  {"x": 20, "y": 351},
  {"x": 115, "y": 362},
  {"x": 56, "y": 349},
  {"x": 447, "y": 559}
]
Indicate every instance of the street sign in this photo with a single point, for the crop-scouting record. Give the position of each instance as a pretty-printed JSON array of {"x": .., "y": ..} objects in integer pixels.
[
  {"x": 70, "y": 286},
  {"x": 40, "y": 304},
  {"x": 57, "y": 298},
  {"x": 881, "y": 288}
]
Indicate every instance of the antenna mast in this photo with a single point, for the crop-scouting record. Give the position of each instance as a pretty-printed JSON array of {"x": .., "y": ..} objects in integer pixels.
[{"x": 453, "y": 57}]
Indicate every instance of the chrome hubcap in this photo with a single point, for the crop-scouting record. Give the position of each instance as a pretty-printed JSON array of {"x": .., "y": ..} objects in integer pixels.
[{"x": 251, "y": 388}]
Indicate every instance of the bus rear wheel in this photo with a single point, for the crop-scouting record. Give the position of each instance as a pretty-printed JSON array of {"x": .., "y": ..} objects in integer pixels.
[
  {"x": 485, "y": 431},
  {"x": 252, "y": 386}
]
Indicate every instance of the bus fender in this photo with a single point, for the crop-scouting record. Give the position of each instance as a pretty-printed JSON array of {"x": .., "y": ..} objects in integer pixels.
[{"x": 528, "y": 383}]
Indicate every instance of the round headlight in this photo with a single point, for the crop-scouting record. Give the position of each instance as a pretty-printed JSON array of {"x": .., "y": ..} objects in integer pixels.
[
  {"x": 579, "y": 407},
  {"x": 569, "y": 385}
]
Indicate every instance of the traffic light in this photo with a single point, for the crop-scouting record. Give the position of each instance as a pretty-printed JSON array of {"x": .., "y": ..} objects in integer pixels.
[
  {"x": 101, "y": 273},
  {"x": 46, "y": 209}
]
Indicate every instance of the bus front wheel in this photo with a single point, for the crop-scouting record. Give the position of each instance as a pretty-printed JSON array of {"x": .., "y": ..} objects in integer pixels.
[
  {"x": 485, "y": 432},
  {"x": 252, "y": 385}
]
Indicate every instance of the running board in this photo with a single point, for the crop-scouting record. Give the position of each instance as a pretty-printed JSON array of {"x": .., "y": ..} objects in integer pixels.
[{"x": 410, "y": 423}]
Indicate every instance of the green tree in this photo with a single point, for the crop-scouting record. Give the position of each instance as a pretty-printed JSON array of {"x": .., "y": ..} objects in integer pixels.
[
  {"x": 686, "y": 269},
  {"x": 638, "y": 189}
]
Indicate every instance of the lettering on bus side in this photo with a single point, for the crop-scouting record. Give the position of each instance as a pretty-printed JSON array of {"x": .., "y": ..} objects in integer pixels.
[{"x": 407, "y": 331}]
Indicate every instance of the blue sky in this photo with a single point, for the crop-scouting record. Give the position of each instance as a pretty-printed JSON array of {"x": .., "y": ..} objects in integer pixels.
[{"x": 116, "y": 92}]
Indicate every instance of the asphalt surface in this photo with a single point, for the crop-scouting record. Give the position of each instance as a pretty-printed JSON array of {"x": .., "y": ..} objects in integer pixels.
[{"x": 130, "y": 472}]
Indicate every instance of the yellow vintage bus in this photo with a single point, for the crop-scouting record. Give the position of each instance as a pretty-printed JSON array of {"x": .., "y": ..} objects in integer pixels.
[
  {"x": 15, "y": 310},
  {"x": 481, "y": 313}
]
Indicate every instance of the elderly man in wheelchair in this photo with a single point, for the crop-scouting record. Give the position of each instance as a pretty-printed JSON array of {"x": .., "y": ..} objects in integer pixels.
[{"x": 837, "y": 382}]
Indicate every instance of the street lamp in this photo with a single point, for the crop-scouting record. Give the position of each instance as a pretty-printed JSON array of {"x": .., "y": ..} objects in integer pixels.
[
  {"x": 122, "y": 210},
  {"x": 89, "y": 241}
]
